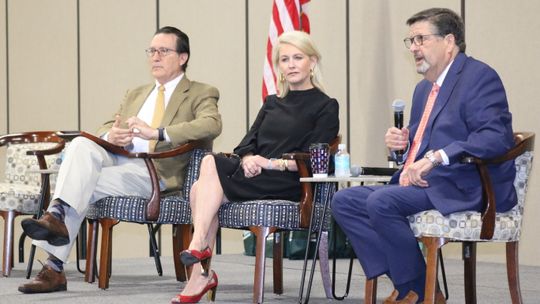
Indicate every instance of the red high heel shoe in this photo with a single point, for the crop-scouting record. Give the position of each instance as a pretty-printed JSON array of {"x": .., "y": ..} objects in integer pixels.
[
  {"x": 210, "y": 287},
  {"x": 190, "y": 257}
]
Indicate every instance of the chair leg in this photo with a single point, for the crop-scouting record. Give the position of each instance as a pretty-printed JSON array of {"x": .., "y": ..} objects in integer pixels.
[
  {"x": 106, "y": 252},
  {"x": 324, "y": 265},
  {"x": 7, "y": 261},
  {"x": 218, "y": 241},
  {"x": 278, "y": 262},
  {"x": 261, "y": 233},
  {"x": 432, "y": 261},
  {"x": 512, "y": 271},
  {"x": 154, "y": 247},
  {"x": 22, "y": 238},
  {"x": 80, "y": 248},
  {"x": 370, "y": 291},
  {"x": 443, "y": 273},
  {"x": 181, "y": 237},
  {"x": 30, "y": 264},
  {"x": 469, "y": 264},
  {"x": 91, "y": 248}
]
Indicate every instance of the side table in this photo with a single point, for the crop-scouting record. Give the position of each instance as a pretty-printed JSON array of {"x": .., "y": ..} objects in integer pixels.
[{"x": 344, "y": 182}]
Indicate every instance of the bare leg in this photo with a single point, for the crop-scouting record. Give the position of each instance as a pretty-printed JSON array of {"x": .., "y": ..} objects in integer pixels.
[{"x": 205, "y": 198}]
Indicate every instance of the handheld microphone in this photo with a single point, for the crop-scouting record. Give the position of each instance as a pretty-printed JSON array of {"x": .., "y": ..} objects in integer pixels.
[{"x": 399, "y": 106}]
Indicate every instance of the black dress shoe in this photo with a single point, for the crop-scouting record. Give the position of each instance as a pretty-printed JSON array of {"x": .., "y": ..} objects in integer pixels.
[{"x": 47, "y": 228}]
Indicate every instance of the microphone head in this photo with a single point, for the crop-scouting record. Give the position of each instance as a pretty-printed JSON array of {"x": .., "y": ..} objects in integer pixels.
[{"x": 398, "y": 105}]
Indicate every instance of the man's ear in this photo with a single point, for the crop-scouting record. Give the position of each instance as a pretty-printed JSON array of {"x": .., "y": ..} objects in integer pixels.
[
  {"x": 451, "y": 39},
  {"x": 183, "y": 58}
]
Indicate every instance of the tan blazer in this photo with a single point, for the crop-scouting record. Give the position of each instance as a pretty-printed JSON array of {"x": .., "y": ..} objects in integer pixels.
[{"x": 191, "y": 114}]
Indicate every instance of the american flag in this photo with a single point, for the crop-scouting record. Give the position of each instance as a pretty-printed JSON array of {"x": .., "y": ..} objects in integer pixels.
[{"x": 287, "y": 15}]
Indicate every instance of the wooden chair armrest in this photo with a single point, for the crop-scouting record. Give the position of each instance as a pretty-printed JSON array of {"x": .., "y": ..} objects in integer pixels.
[
  {"x": 297, "y": 156},
  {"x": 68, "y": 135},
  {"x": 153, "y": 207},
  {"x": 302, "y": 163},
  {"x": 306, "y": 198},
  {"x": 524, "y": 141},
  {"x": 35, "y": 137}
]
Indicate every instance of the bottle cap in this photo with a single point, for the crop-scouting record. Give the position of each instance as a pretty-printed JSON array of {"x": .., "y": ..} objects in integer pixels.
[{"x": 342, "y": 146}]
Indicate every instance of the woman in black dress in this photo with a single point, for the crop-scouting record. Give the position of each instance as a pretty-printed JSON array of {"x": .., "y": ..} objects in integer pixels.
[{"x": 300, "y": 115}]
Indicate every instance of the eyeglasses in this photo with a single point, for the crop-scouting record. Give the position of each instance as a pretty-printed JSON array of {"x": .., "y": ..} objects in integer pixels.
[
  {"x": 418, "y": 40},
  {"x": 161, "y": 51}
]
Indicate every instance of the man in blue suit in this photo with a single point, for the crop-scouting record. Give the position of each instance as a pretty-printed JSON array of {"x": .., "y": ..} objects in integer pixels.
[{"x": 459, "y": 109}]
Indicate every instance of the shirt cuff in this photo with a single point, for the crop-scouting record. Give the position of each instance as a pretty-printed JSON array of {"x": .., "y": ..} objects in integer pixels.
[
  {"x": 167, "y": 138},
  {"x": 445, "y": 159}
]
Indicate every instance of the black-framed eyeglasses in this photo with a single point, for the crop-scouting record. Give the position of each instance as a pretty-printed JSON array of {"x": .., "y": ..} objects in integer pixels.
[
  {"x": 161, "y": 51},
  {"x": 418, "y": 40}
]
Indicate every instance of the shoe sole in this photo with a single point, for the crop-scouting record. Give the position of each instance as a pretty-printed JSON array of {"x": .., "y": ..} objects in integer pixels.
[
  {"x": 37, "y": 232},
  {"x": 187, "y": 259},
  {"x": 61, "y": 287}
]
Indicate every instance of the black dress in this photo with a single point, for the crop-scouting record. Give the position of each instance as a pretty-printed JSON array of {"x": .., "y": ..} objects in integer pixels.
[{"x": 283, "y": 125}]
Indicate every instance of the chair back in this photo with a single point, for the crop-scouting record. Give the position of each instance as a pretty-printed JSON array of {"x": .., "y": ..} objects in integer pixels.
[
  {"x": 523, "y": 169},
  {"x": 19, "y": 165},
  {"x": 24, "y": 152},
  {"x": 192, "y": 171}
]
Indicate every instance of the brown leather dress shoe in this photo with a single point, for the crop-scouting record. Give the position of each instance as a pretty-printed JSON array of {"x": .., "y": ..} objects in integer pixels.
[
  {"x": 439, "y": 298},
  {"x": 391, "y": 298},
  {"x": 410, "y": 298},
  {"x": 47, "y": 280},
  {"x": 48, "y": 228}
]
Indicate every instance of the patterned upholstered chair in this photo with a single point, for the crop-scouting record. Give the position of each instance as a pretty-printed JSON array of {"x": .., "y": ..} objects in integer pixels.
[
  {"x": 470, "y": 228},
  {"x": 24, "y": 192},
  {"x": 159, "y": 209},
  {"x": 264, "y": 217}
]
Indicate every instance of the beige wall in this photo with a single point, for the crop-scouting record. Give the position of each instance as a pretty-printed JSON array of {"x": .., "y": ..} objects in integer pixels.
[
  {"x": 513, "y": 52},
  {"x": 42, "y": 64},
  {"x": 52, "y": 81},
  {"x": 3, "y": 62}
]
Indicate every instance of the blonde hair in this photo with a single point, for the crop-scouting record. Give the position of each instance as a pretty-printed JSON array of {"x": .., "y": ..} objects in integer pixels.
[{"x": 305, "y": 44}]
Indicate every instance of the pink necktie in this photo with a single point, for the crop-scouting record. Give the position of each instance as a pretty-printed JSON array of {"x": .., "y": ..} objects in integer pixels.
[{"x": 417, "y": 141}]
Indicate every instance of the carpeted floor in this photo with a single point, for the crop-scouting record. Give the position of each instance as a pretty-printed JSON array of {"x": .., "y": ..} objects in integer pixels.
[{"x": 136, "y": 281}]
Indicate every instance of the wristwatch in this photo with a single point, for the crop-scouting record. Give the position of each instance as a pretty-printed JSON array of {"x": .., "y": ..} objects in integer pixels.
[
  {"x": 430, "y": 155},
  {"x": 161, "y": 134}
]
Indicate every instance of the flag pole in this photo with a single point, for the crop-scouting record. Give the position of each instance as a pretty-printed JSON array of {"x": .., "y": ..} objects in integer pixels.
[{"x": 300, "y": 16}]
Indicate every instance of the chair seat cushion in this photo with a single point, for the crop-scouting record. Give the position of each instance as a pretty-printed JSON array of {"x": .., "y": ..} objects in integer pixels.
[
  {"x": 465, "y": 226},
  {"x": 282, "y": 214},
  {"x": 174, "y": 209},
  {"x": 267, "y": 213},
  {"x": 22, "y": 198}
]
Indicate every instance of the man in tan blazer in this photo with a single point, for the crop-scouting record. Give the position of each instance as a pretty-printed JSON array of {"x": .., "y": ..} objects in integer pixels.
[{"x": 159, "y": 116}]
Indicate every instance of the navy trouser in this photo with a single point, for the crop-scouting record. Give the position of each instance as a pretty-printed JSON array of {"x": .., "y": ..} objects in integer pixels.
[{"x": 374, "y": 218}]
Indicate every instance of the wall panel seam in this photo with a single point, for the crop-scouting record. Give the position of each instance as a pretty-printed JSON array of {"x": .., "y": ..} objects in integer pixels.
[
  {"x": 78, "y": 65},
  {"x": 348, "y": 73},
  {"x": 246, "y": 5},
  {"x": 7, "y": 66},
  {"x": 157, "y": 15}
]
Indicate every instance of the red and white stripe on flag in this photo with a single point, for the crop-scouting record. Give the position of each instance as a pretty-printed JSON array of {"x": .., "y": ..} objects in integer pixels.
[{"x": 287, "y": 15}]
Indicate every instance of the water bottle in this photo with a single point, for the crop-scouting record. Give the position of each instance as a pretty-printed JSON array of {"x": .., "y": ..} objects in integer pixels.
[{"x": 342, "y": 161}]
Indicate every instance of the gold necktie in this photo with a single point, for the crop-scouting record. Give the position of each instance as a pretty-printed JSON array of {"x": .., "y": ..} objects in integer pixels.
[{"x": 159, "y": 110}]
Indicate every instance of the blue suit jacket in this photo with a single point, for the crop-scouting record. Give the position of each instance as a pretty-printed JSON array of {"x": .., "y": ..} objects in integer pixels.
[{"x": 470, "y": 117}]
